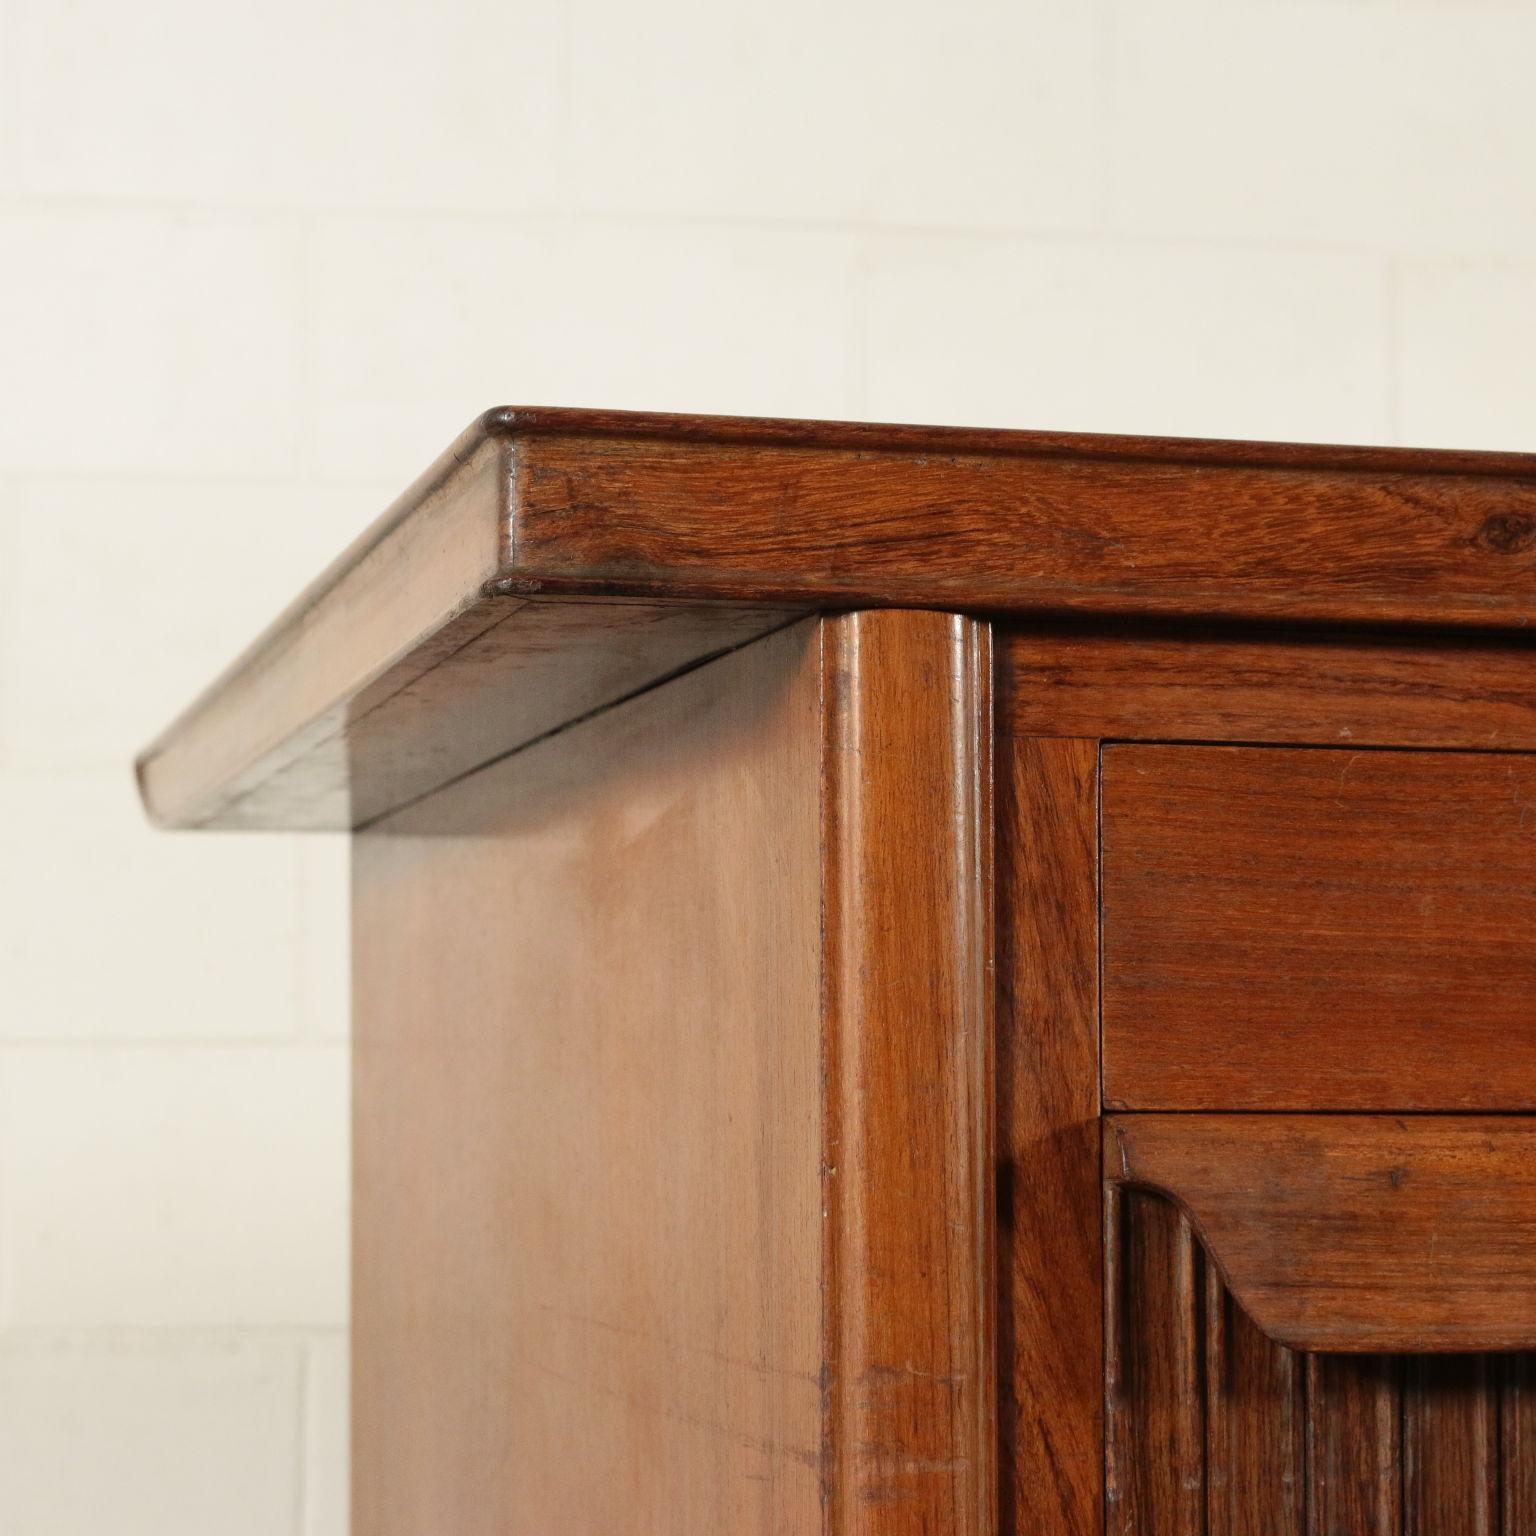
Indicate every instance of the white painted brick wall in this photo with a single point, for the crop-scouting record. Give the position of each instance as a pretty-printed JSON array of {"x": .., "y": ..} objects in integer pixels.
[
  {"x": 144, "y": 1434},
  {"x": 261, "y": 259}
]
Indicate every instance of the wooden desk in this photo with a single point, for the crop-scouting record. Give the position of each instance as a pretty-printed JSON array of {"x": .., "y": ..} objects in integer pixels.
[{"x": 914, "y": 980}]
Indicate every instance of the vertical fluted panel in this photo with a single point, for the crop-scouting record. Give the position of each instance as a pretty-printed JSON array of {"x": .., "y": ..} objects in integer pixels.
[
  {"x": 1255, "y": 1425},
  {"x": 1354, "y": 1446},
  {"x": 1154, "y": 1397},
  {"x": 1517, "y": 1444},
  {"x": 1215, "y": 1430},
  {"x": 1450, "y": 1446}
]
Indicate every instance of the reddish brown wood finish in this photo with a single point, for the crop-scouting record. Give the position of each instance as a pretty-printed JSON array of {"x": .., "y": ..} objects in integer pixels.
[
  {"x": 1517, "y": 1444},
  {"x": 1049, "y": 1235},
  {"x": 1318, "y": 929},
  {"x": 798, "y": 516},
  {"x": 1255, "y": 1424},
  {"x": 1451, "y": 1445},
  {"x": 908, "y": 1154},
  {"x": 1280, "y": 686},
  {"x": 524, "y": 421},
  {"x": 1288, "y": 1444},
  {"x": 675, "y": 1003},
  {"x": 1020, "y": 531},
  {"x": 1355, "y": 1232},
  {"x": 1154, "y": 1478},
  {"x": 1354, "y": 1446}
]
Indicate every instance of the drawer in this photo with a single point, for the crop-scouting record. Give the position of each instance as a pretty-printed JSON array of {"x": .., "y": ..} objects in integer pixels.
[{"x": 1318, "y": 929}]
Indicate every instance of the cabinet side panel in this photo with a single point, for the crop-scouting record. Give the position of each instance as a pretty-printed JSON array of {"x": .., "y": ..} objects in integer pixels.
[{"x": 588, "y": 1136}]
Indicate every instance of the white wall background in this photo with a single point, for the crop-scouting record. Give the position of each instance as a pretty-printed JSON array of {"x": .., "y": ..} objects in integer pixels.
[{"x": 261, "y": 259}]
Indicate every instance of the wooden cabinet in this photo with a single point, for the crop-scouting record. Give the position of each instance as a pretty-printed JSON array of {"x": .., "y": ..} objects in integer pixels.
[
  {"x": 1325, "y": 929},
  {"x": 914, "y": 980}
]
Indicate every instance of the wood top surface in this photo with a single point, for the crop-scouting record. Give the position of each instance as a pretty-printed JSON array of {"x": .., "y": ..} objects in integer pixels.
[
  {"x": 553, "y": 561},
  {"x": 870, "y": 436}
]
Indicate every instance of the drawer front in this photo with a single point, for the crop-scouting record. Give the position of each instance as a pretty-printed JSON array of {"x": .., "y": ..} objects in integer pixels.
[{"x": 1318, "y": 929}]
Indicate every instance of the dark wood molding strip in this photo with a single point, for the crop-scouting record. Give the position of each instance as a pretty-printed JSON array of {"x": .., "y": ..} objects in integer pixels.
[
  {"x": 1286, "y": 687},
  {"x": 1050, "y": 1239}
]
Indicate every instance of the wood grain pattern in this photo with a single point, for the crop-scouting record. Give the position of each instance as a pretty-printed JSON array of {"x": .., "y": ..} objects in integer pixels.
[
  {"x": 404, "y": 595},
  {"x": 528, "y": 421},
  {"x": 1154, "y": 1478},
  {"x": 1293, "y": 1444},
  {"x": 588, "y": 1250},
  {"x": 1018, "y": 529},
  {"x": 493, "y": 680},
  {"x": 908, "y": 1151},
  {"x": 1360, "y": 1233},
  {"x": 1517, "y": 1444},
  {"x": 1354, "y": 1446},
  {"x": 1255, "y": 1420},
  {"x": 1279, "y": 686},
  {"x": 801, "y": 516},
  {"x": 672, "y": 1111},
  {"x": 1451, "y": 1445},
  {"x": 1050, "y": 1259},
  {"x": 1288, "y": 929}
]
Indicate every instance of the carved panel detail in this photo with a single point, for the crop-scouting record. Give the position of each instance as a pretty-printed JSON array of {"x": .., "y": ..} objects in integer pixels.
[{"x": 1212, "y": 1429}]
